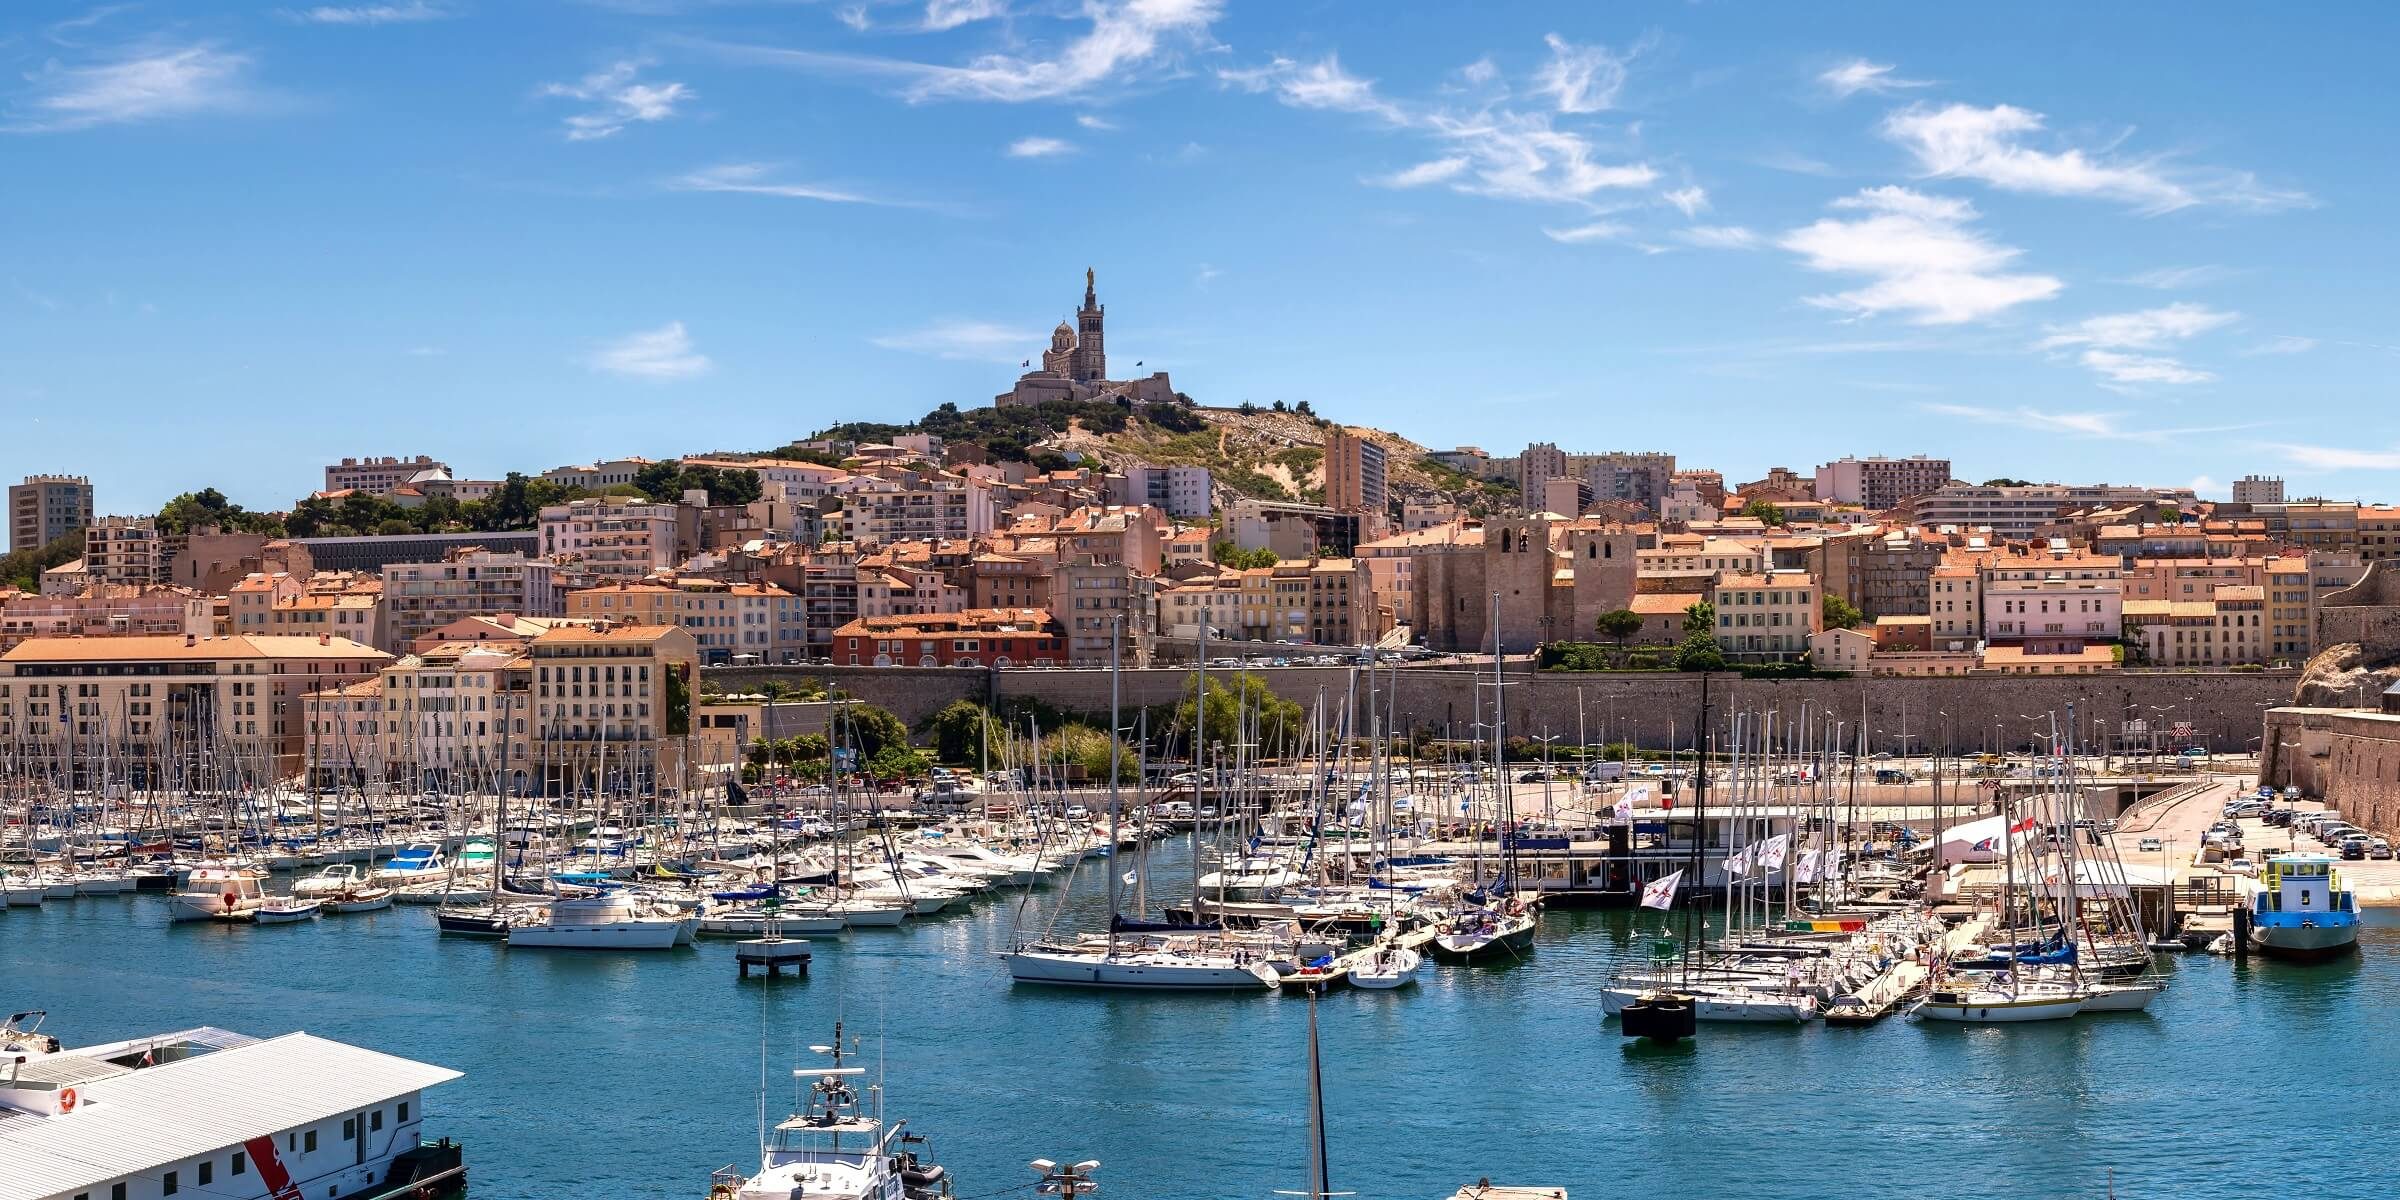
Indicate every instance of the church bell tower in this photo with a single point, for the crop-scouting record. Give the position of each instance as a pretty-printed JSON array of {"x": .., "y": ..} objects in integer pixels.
[{"x": 1091, "y": 355}]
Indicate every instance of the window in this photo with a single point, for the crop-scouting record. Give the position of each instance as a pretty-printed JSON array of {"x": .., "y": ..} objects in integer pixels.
[
  {"x": 241, "y": 1163},
  {"x": 168, "y": 1186},
  {"x": 308, "y": 1144},
  {"x": 375, "y": 1119},
  {"x": 208, "y": 1173},
  {"x": 403, "y": 1112},
  {"x": 116, "y": 1191}
]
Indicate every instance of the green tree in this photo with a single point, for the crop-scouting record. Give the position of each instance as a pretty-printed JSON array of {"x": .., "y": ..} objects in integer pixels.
[
  {"x": 870, "y": 729},
  {"x": 1700, "y": 620},
  {"x": 1839, "y": 613},
  {"x": 2005, "y": 481},
  {"x": 1767, "y": 513},
  {"x": 23, "y": 568},
  {"x": 961, "y": 731},
  {"x": 1620, "y": 624},
  {"x": 1699, "y": 654},
  {"x": 1226, "y": 554},
  {"x": 1278, "y": 722}
]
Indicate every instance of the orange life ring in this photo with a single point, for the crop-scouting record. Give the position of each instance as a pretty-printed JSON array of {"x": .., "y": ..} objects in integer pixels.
[{"x": 67, "y": 1100}]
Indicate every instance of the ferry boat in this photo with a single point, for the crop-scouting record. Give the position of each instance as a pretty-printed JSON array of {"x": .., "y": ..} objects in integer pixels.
[
  {"x": 127, "y": 1119},
  {"x": 2301, "y": 911}
]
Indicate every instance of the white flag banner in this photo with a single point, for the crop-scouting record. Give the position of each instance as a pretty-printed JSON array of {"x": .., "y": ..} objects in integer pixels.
[
  {"x": 1661, "y": 893},
  {"x": 1805, "y": 870},
  {"x": 1833, "y": 862},
  {"x": 1770, "y": 855},
  {"x": 1132, "y": 877},
  {"x": 1737, "y": 864}
]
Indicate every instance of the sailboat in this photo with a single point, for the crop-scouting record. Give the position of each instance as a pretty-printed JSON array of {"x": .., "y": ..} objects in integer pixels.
[
  {"x": 2013, "y": 995},
  {"x": 1135, "y": 957},
  {"x": 1500, "y": 923}
]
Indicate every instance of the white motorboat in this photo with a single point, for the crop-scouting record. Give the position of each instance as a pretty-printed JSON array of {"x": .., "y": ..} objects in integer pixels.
[
  {"x": 611, "y": 920},
  {"x": 1484, "y": 935},
  {"x": 1390, "y": 966},
  {"x": 418, "y": 863},
  {"x": 834, "y": 1148},
  {"x": 1257, "y": 878},
  {"x": 721, "y": 919},
  {"x": 1141, "y": 968},
  {"x": 332, "y": 881},
  {"x": 219, "y": 894},
  {"x": 23, "y": 889},
  {"x": 2121, "y": 997},
  {"x": 282, "y": 910}
]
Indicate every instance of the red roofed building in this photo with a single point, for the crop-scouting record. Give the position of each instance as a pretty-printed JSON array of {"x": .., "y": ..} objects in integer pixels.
[{"x": 977, "y": 637}]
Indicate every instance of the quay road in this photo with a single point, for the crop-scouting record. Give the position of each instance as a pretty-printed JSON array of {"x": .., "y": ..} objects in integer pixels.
[{"x": 2180, "y": 825}]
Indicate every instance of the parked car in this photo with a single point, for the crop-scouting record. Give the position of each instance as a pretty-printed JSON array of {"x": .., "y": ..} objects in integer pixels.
[
  {"x": 2378, "y": 848},
  {"x": 2354, "y": 847},
  {"x": 2150, "y": 845}
]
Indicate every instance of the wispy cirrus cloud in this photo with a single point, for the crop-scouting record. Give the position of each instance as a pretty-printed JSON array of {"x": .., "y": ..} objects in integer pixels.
[
  {"x": 1995, "y": 146},
  {"x": 2109, "y": 341},
  {"x": 970, "y": 341},
  {"x": 1690, "y": 201},
  {"x": 1124, "y": 35},
  {"x": 1489, "y": 150},
  {"x": 658, "y": 354},
  {"x": 2284, "y": 343},
  {"x": 2099, "y": 426},
  {"x": 368, "y": 14},
  {"x": 1039, "y": 147},
  {"x": 1597, "y": 231},
  {"x": 1096, "y": 123},
  {"x": 2338, "y": 458},
  {"x": 944, "y": 15},
  {"x": 1583, "y": 79},
  {"x": 620, "y": 99},
  {"x": 2175, "y": 279},
  {"x": 1848, "y": 79},
  {"x": 1718, "y": 237},
  {"x": 761, "y": 179},
  {"x": 143, "y": 84},
  {"x": 1922, "y": 259}
]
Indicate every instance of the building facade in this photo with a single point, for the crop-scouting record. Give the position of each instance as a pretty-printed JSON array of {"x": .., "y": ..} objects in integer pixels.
[
  {"x": 1881, "y": 483},
  {"x": 45, "y": 508}
]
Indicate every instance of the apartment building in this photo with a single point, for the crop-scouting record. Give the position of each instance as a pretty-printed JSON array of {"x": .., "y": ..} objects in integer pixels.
[
  {"x": 977, "y": 637},
  {"x": 905, "y": 506},
  {"x": 381, "y": 476},
  {"x": 2258, "y": 489},
  {"x": 1768, "y": 614},
  {"x": 126, "y": 550},
  {"x": 2052, "y": 600},
  {"x": 728, "y": 622},
  {"x": 611, "y": 705},
  {"x": 2228, "y": 628},
  {"x": 1885, "y": 573},
  {"x": 153, "y": 705},
  {"x": 1881, "y": 483},
  {"x": 1184, "y": 493},
  {"x": 2014, "y": 513},
  {"x": 1355, "y": 477},
  {"x": 1091, "y": 594},
  {"x": 1211, "y": 603},
  {"x": 451, "y": 714},
  {"x": 612, "y": 538},
  {"x": 106, "y": 610},
  {"x": 467, "y": 582},
  {"x": 45, "y": 508},
  {"x": 592, "y": 477}
]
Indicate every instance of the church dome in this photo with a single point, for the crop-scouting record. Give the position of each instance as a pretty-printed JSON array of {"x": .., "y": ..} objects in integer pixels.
[{"x": 1063, "y": 337}]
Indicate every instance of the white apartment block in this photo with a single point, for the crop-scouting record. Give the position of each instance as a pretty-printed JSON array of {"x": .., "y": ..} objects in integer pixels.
[
  {"x": 1881, "y": 483},
  {"x": 422, "y": 597},
  {"x": 377, "y": 476}
]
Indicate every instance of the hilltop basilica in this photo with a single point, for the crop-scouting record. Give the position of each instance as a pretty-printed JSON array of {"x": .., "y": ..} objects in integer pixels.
[{"x": 1075, "y": 367}]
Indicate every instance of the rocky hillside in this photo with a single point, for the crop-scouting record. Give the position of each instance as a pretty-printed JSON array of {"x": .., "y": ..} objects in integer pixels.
[{"x": 1273, "y": 455}]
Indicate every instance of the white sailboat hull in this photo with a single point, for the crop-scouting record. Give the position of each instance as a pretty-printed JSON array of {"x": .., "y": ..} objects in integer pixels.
[
  {"x": 1398, "y": 969},
  {"x": 641, "y": 933},
  {"x": 1140, "y": 972},
  {"x": 2001, "y": 1010},
  {"x": 2121, "y": 997},
  {"x": 1725, "y": 1007}
]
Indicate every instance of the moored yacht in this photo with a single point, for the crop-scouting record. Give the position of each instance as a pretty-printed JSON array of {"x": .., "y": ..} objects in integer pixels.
[
  {"x": 834, "y": 1148},
  {"x": 611, "y": 920},
  {"x": 219, "y": 894},
  {"x": 418, "y": 863},
  {"x": 2301, "y": 911}
]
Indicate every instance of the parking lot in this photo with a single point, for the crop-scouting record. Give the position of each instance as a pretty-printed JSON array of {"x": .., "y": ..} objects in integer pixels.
[{"x": 2181, "y": 834}]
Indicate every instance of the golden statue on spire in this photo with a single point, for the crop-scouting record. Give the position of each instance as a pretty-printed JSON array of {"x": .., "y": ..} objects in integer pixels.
[{"x": 1087, "y": 279}]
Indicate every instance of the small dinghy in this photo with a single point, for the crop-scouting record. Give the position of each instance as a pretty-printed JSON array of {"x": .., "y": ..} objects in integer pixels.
[{"x": 283, "y": 910}]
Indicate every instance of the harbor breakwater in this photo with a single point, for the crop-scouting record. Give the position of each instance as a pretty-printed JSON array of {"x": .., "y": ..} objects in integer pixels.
[{"x": 1953, "y": 714}]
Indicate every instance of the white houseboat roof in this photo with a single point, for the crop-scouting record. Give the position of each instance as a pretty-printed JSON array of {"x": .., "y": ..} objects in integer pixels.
[{"x": 137, "y": 1122}]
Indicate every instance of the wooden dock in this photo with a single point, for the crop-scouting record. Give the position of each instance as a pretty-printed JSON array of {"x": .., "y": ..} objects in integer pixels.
[
  {"x": 1884, "y": 994},
  {"x": 1337, "y": 972}
]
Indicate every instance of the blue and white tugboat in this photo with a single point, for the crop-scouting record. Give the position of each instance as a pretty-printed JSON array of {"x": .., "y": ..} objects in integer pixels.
[{"x": 2301, "y": 911}]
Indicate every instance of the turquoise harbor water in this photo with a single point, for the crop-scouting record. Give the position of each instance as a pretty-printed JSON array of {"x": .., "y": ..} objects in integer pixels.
[{"x": 635, "y": 1075}]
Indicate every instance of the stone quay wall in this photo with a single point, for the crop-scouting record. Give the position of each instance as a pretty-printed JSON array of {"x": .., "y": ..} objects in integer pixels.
[{"x": 1954, "y": 714}]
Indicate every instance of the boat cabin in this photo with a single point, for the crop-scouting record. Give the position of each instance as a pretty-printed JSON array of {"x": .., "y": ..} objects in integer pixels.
[{"x": 2299, "y": 883}]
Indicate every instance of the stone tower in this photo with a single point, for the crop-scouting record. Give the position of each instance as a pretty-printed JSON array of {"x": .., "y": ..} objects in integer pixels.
[{"x": 1091, "y": 354}]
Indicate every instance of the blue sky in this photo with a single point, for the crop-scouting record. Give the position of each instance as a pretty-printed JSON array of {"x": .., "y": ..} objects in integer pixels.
[{"x": 2132, "y": 243}]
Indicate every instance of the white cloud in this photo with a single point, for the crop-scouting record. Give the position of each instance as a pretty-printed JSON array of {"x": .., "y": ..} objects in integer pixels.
[
  {"x": 1719, "y": 237},
  {"x": 1039, "y": 147},
  {"x": 1581, "y": 79},
  {"x": 1206, "y": 275},
  {"x": 1920, "y": 257},
  {"x": 1597, "y": 231},
  {"x": 950, "y": 14},
  {"x": 854, "y": 16},
  {"x": 1488, "y": 151},
  {"x": 621, "y": 99},
  {"x": 1096, "y": 124},
  {"x": 2338, "y": 458},
  {"x": 1124, "y": 35},
  {"x": 1435, "y": 171},
  {"x": 755, "y": 179},
  {"x": 2144, "y": 330},
  {"x": 1859, "y": 75},
  {"x": 1990, "y": 144},
  {"x": 369, "y": 14},
  {"x": 1479, "y": 72},
  {"x": 662, "y": 353},
  {"x": 2099, "y": 426},
  {"x": 2117, "y": 366},
  {"x": 2175, "y": 279},
  {"x": 973, "y": 341},
  {"x": 1690, "y": 200},
  {"x": 2284, "y": 344},
  {"x": 145, "y": 85},
  {"x": 2201, "y": 485},
  {"x": 2107, "y": 339}
]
